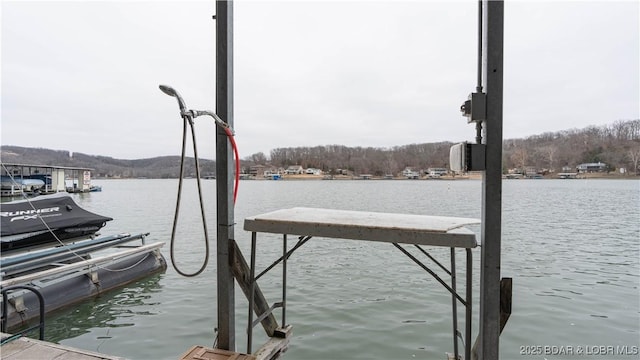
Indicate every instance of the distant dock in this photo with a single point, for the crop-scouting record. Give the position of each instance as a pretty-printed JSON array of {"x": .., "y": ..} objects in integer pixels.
[{"x": 44, "y": 179}]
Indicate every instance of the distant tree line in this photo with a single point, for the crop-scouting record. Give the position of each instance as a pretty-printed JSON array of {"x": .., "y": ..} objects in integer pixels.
[
  {"x": 361, "y": 160},
  {"x": 617, "y": 145}
]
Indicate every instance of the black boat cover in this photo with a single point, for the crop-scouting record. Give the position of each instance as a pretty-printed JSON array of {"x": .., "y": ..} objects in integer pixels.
[{"x": 60, "y": 213}]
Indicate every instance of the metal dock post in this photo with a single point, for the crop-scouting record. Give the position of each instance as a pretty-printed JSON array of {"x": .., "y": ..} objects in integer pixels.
[
  {"x": 493, "y": 34},
  {"x": 224, "y": 175}
]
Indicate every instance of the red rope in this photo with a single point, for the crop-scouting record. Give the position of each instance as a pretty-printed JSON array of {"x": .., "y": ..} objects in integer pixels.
[{"x": 232, "y": 140}]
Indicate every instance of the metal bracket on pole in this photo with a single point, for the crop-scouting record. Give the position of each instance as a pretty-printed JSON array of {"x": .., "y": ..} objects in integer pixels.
[{"x": 475, "y": 108}]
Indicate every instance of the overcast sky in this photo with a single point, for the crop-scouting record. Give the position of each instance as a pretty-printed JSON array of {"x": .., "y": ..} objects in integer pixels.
[{"x": 84, "y": 76}]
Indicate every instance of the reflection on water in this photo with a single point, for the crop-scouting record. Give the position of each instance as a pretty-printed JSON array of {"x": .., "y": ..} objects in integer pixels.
[{"x": 117, "y": 308}]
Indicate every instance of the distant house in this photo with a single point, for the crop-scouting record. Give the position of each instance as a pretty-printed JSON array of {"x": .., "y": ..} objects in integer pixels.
[
  {"x": 409, "y": 173},
  {"x": 436, "y": 172},
  {"x": 272, "y": 170},
  {"x": 266, "y": 171},
  {"x": 256, "y": 170},
  {"x": 294, "y": 170},
  {"x": 567, "y": 173},
  {"x": 312, "y": 171},
  {"x": 591, "y": 167}
]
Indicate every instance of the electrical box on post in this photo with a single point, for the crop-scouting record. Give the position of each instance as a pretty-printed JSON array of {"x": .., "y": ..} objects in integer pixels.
[
  {"x": 475, "y": 108},
  {"x": 465, "y": 157},
  {"x": 457, "y": 157}
]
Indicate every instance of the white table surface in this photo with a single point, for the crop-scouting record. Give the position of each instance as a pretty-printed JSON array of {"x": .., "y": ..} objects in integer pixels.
[{"x": 365, "y": 225}]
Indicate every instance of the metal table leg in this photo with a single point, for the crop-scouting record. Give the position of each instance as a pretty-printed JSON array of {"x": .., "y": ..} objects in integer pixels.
[
  {"x": 454, "y": 304},
  {"x": 284, "y": 280},
  {"x": 467, "y": 321},
  {"x": 252, "y": 281}
]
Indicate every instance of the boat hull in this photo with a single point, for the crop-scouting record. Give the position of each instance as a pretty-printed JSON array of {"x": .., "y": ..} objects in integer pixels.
[{"x": 60, "y": 291}]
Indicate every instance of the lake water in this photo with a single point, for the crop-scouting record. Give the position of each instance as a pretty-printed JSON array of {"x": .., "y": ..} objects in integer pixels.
[{"x": 572, "y": 248}]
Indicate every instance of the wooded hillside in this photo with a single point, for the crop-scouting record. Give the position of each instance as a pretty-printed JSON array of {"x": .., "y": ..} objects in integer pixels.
[
  {"x": 158, "y": 167},
  {"x": 617, "y": 145}
]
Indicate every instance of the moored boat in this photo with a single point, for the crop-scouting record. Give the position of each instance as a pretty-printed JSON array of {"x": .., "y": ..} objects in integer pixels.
[
  {"x": 49, "y": 251},
  {"x": 45, "y": 219},
  {"x": 15, "y": 186}
]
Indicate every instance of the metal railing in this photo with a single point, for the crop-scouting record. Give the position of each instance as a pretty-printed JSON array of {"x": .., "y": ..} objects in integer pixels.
[{"x": 5, "y": 312}]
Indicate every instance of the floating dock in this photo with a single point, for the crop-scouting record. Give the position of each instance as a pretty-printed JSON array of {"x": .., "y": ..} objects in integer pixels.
[{"x": 64, "y": 284}]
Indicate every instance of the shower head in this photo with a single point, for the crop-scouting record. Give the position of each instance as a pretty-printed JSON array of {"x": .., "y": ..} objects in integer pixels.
[{"x": 172, "y": 92}]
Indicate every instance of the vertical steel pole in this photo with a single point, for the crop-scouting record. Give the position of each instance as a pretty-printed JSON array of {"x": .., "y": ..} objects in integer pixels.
[
  {"x": 493, "y": 31},
  {"x": 454, "y": 304},
  {"x": 224, "y": 174},
  {"x": 252, "y": 288}
]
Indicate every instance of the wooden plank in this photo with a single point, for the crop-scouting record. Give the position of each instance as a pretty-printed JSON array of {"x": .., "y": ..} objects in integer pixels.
[
  {"x": 198, "y": 352},
  {"x": 363, "y": 225},
  {"x": 275, "y": 347},
  {"x": 505, "y": 301},
  {"x": 241, "y": 272},
  {"x": 26, "y": 348},
  {"x": 21, "y": 350}
]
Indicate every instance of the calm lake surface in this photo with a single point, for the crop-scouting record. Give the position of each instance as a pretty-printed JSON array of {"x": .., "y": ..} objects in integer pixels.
[{"x": 572, "y": 248}]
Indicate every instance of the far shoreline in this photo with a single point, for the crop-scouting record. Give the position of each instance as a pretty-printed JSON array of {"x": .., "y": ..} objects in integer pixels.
[{"x": 468, "y": 176}]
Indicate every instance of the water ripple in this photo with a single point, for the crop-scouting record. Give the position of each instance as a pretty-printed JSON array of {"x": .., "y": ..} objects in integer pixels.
[{"x": 571, "y": 247}]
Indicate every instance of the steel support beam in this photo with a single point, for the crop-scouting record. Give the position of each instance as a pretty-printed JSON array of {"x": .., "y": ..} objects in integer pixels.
[
  {"x": 224, "y": 175},
  {"x": 489, "y": 331}
]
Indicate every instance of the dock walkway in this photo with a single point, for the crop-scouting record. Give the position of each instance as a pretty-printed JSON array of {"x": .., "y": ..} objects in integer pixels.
[{"x": 26, "y": 348}]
